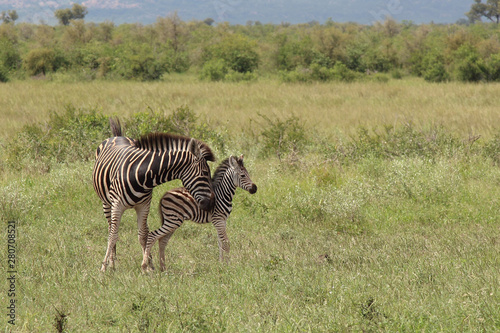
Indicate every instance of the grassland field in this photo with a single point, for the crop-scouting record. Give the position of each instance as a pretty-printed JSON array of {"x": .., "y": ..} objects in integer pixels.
[{"x": 385, "y": 218}]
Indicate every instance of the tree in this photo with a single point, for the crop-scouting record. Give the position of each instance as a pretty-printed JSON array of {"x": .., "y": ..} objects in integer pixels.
[
  {"x": 79, "y": 11},
  {"x": 490, "y": 10},
  {"x": 75, "y": 13},
  {"x": 63, "y": 15},
  {"x": 209, "y": 21},
  {"x": 9, "y": 16}
]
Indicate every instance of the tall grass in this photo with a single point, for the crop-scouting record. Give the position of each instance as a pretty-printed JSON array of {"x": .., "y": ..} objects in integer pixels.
[
  {"x": 374, "y": 223},
  {"x": 464, "y": 108}
]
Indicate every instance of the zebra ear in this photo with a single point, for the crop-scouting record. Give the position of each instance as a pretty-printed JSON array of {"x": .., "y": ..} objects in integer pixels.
[
  {"x": 233, "y": 162},
  {"x": 194, "y": 148}
]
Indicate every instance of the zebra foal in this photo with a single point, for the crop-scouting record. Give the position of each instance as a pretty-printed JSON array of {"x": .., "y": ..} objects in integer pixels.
[
  {"x": 127, "y": 170},
  {"x": 178, "y": 205}
]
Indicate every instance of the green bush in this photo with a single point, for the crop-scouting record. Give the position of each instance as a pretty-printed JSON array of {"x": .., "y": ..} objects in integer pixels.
[
  {"x": 236, "y": 51},
  {"x": 10, "y": 57},
  {"x": 321, "y": 73},
  {"x": 300, "y": 74},
  {"x": 470, "y": 67},
  {"x": 74, "y": 134},
  {"x": 182, "y": 121},
  {"x": 433, "y": 68},
  {"x": 233, "y": 76},
  {"x": 342, "y": 73},
  {"x": 316, "y": 72},
  {"x": 66, "y": 137},
  {"x": 139, "y": 62},
  {"x": 214, "y": 70},
  {"x": 403, "y": 141},
  {"x": 3, "y": 74},
  {"x": 282, "y": 136},
  {"x": 40, "y": 61},
  {"x": 493, "y": 67},
  {"x": 293, "y": 54}
]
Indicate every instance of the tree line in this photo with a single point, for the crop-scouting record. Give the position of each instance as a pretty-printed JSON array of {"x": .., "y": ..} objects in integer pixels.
[{"x": 293, "y": 52}]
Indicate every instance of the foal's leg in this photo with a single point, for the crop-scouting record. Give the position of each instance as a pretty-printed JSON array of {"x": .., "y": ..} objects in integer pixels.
[
  {"x": 146, "y": 256},
  {"x": 223, "y": 240},
  {"x": 162, "y": 244}
]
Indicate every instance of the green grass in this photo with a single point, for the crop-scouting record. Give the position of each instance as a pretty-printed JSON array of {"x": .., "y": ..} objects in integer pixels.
[
  {"x": 462, "y": 108},
  {"x": 368, "y": 232}
]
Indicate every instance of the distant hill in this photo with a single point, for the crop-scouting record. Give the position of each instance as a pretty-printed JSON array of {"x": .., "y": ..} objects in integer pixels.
[{"x": 240, "y": 12}]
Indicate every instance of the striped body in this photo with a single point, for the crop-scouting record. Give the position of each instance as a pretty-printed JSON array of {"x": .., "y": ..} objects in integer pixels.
[
  {"x": 178, "y": 205},
  {"x": 127, "y": 170}
]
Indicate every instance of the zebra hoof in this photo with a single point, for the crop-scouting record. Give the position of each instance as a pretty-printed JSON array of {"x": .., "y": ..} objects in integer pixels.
[
  {"x": 146, "y": 269},
  {"x": 103, "y": 267}
]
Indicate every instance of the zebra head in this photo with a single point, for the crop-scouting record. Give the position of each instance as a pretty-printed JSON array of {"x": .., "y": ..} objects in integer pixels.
[
  {"x": 241, "y": 178},
  {"x": 196, "y": 178}
]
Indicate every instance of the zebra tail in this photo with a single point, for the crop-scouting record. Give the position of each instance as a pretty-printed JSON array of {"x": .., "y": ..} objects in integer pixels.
[{"x": 116, "y": 127}]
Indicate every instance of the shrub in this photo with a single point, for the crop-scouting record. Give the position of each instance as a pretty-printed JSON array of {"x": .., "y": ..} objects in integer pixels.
[
  {"x": 67, "y": 137},
  {"x": 233, "y": 76},
  {"x": 493, "y": 67},
  {"x": 214, "y": 70},
  {"x": 74, "y": 134},
  {"x": 433, "y": 68},
  {"x": 470, "y": 67},
  {"x": 9, "y": 55},
  {"x": 281, "y": 136},
  {"x": 321, "y": 73},
  {"x": 40, "y": 61},
  {"x": 298, "y": 75},
  {"x": 343, "y": 73},
  {"x": 236, "y": 51},
  {"x": 139, "y": 62},
  {"x": 403, "y": 141},
  {"x": 182, "y": 121},
  {"x": 317, "y": 72},
  {"x": 3, "y": 74},
  {"x": 295, "y": 54}
]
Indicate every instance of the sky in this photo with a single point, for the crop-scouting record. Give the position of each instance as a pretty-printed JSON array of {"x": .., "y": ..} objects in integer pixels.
[{"x": 241, "y": 11}]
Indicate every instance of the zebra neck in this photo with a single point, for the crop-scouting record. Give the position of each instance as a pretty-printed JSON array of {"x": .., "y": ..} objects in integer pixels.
[
  {"x": 224, "y": 192},
  {"x": 167, "y": 165}
]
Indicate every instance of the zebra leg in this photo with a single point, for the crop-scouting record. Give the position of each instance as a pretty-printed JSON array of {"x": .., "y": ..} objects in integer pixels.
[
  {"x": 116, "y": 215},
  {"x": 107, "y": 213},
  {"x": 146, "y": 256},
  {"x": 162, "y": 244},
  {"x": 142, "y": 211},
  {"x": 223, "y": 240}
]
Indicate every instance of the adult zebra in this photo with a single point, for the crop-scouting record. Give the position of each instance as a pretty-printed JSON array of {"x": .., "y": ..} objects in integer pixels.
[
  {"x": 178, "y": 205},
  {"x": 127, "y": 170}
]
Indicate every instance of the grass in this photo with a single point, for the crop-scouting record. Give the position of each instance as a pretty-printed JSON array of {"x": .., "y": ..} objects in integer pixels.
[
  {"x": 463, "y": 108},
  {"x": 340, "y": 236}
]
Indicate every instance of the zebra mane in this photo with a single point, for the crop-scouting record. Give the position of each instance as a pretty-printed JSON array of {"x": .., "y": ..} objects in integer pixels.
[
  {"x": 221, "y": 170},
  {"x": 173, "y": 142}
]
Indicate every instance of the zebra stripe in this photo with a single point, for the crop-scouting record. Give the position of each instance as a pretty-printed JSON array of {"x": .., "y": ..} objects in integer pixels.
[
  {"x": 127, "y": 170},
  {"x": 178, "y": 205}
]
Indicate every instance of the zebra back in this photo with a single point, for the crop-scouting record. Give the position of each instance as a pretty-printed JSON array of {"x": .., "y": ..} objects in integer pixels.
[{"x": 159, "y": 142}]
